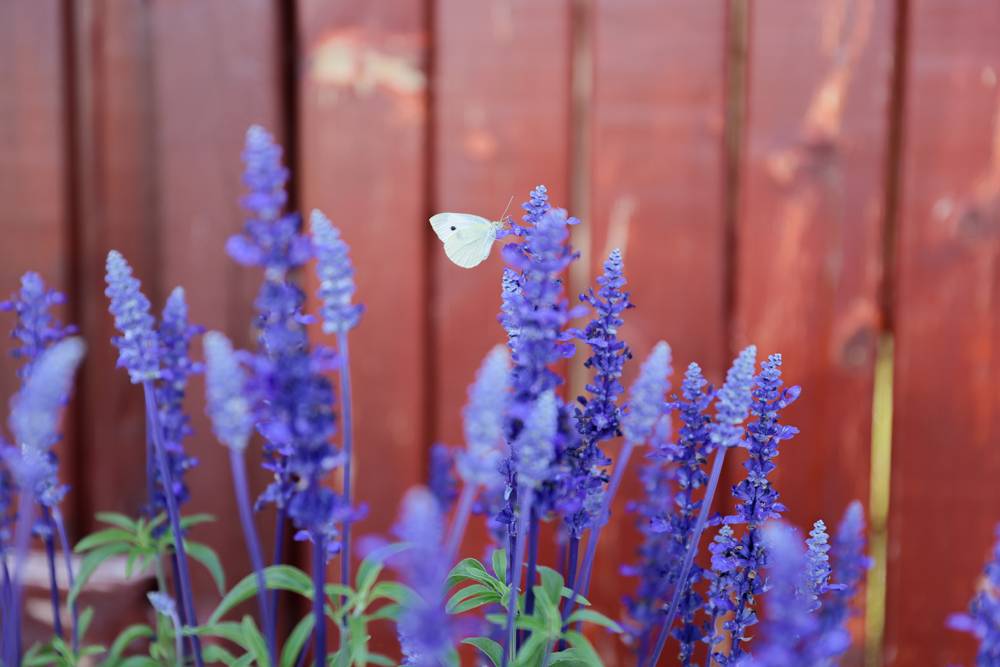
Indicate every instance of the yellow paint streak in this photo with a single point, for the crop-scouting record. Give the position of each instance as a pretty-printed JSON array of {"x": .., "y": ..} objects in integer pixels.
[{"x": 878, "y": 505}]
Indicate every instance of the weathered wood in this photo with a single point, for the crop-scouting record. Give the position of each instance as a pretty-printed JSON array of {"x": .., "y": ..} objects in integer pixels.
[
  {"x": 34, "y": 186},
  {"x": 657, "y": 192},
  {"x": 945, "y": 496},
  {"x": 810, "y": 232},
  {"x": 362, "y": 132}
]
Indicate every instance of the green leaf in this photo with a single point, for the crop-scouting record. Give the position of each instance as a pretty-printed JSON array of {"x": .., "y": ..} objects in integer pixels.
[
  {"x": 215, "y": 653},
  {"x": 297, "y": 640},
  {"x": 102, "y": 537},
  {"x": 487, "y": 647},
  {"x": 254, "y": 641},
  {"x": 530, "y": 654},
  {"x": 585, "y": 650},
  {"x": 389, "y": 611},
  {"x": 125, "y": 638},
  {"x": 195, "y": 519},
  {"x": 244, "y": 660},
  {"x": 595, "y": 617},
  {"x": 207, "y": 557},
  {"x": 116, "y": 519},
  {"x": 139, "y": 661},
  {"x": 466, "y": 592},
  {"x": 83, "y": 622},
  {"x": 571, "y": 657},
  {"x": 379, "y": 659},
  {"x": 391, "y": 590},
  {"x": 372, "y": 566},
  {"x": 276, "y": 577},
  {"x": 474, "y": 602},
  {"x": 580, "y": 600},
  {"x": 552, "y": 583},
  {"x": 90, "y": 563},
  {"x": 499, "y": 561},
  {"x": 94, "y": 649},
  {"x": 337, "y": 591},
  {"x": 472, "y": 569}
]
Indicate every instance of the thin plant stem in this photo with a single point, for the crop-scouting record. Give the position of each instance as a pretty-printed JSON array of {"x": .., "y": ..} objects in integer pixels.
[
  {"x": 277, "y": 555},
  {"x": 692, "y": 548},
  {"x": 348, "y": 438},
  {"x": 573, "y": 557},
  {"x": 6, "y": 609},
  {"x": 175, "y": 572},
  {"x": 515, "y": 578},
  {"x": 319, "y": 577},
  {"x": 22, "y": 538},
  {"x": 184, "y": 584},
  {"x": 50, "y": 559},
  {"x": 461, "y": 520},
  {"x": 529, "y": 585},
  {"x": 238, "y": 465},
  {"x": 70, "y": 578}
]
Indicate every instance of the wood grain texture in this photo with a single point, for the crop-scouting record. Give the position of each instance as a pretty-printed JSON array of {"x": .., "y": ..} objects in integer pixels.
[
  {"x": 945, "y": 496},
  {"x": 657, "y": 192},
  {"x": 809, "y": 233},
  {"x": 501, "y": 126},
  {"x": 362, "y": 93},
  {"x": 34, "y": 173}
]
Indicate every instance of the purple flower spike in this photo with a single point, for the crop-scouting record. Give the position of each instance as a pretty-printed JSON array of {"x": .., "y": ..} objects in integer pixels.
[
  {"x": 849, "y": 566},
  {"x": 533, "y": 449},
  {"x": 483, "y": 421},
  {"x": 646, "y": 397},
  {"x": 336, "y": 276},
  {"x": 983, "y": 617},
  {"x": 138, "y": 345},
  {"x": 226, "y": 384},
  {"x": 36, "y": 328},
  {"x": 424, "y": 627},
  {"x": 818, "y": 557},
  {"x": 734, "y": 398}
]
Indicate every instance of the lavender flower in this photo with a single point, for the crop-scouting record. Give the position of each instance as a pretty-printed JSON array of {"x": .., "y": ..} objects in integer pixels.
[
  {"x": 175, "y": 336},
  {"x": 688, "y": 455},
  {"x": 226, "y": 384},
  {"x": 646, "y": 397},
  {"x": 424, "y": 626},
  {"x": 36, "y": 328},
  {"x": 483, "y": 421},
  {"x": 336, "y": 276},
  {"x": 441, "y": 476},
  {"x": 599, "y": 416},
  {"x": 849, "y": 566},
  {"x": 818, "y": 558},
  {"x": 758, "y": 499},
  {"x": 34, "y": 419},
  {"x": 138, "y": 346},
  {"x": 533, "y": 448},
  {"x": 269, "y": 239},
  {"x": 983, "y": 617}
]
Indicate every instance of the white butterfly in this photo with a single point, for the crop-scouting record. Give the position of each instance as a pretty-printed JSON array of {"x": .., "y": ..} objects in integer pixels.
[{"x": 467, "y": 238}]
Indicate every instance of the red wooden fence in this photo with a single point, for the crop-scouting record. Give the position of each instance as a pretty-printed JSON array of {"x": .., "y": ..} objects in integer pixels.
[{"x": 813, "y": 177}]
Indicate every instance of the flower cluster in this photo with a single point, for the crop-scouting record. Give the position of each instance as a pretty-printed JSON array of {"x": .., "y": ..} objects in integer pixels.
[
  {"x": 336, "y": 277},
  {"x": 36, "y": 328},
  {"x": 138, "y": 345},
  {"x": 226, "y": 383},
  {"x": 983, "y": 617}
]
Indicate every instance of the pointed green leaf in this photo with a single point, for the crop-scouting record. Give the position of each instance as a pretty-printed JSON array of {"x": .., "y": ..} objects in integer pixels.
[
  {"x": 466, "y": 592},
  {"x": 585, "y": 650},
  {"x": 487, "y": 647},
  {"x": 195, "y": 519},
  {"x": 372, "y": 566},
  {"x": 595, "y": 617},
  {"x": 125, "y": 638},
  {"x": 102, "y": 537},
  {"x": 207, "y": 557},
  {"x": 90, "y": 563},
  {"x": 472, "y": 569},
  {"x": 552, "y": 583},
  {"x": 116, "y": 519},
  {"x": 276, "y": 577},
  {"x": 391, "y": 590},
  {"x": 254, "y": 641},
  {"x": 389, "y": 611},
  {"x": 499, "y": 561},
  {"x": 297, "y": 640}
]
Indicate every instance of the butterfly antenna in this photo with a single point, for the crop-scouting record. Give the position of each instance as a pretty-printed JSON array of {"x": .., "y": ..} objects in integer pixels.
[{"x": 506, "y": 208}]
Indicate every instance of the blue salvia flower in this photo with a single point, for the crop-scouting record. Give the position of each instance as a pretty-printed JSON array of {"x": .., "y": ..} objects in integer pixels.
[
  {"x": 269, "y": 239},
  {"x": 336, "y": 277},
  {"x": 225, "y": 386},
  {"x": 657, "y": 549},
  {"x": 510, "y": 289},
  {"x": 34, "y": 418},
  {"x": 138, "y": 345},
  {"x": 483, "y": 418},
  {"x": 424, "y": 626},
  {"x": 688, "y": 455},
  {"x": 537, "y": 205},
  {"x": 441, "y": 475},
  {"x": 646, "y": 403},
  {"x": 983, "y": 617},
  {"x": 6, "y": 506},
  {"x": 534, "y": 446},
  {"x": 599, "y": 415},
  {"x": 849, "y": 566},
  {"x": 175, "y": 335},
  {"x": 36, "y": 329},
  {"x": 818, "y": 558},
  {"x": 724, "y": 564},
  {"x": 758, "y": 500}
]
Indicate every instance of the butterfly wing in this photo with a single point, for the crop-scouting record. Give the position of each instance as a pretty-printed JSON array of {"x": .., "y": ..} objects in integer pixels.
[{"x": 467, "y": 238}]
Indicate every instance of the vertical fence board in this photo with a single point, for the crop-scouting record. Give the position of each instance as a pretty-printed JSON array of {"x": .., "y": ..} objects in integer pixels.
[
  {"x": 362, "y": 130},
  {"x": 33, "y": 172},
  {"x": 198, "y": 185},
  {"x": 657, "y": 193},
  {"x": 947, "y": 413},
  {"x": 809, "y": 233},
  {"x": 501, "y": 127}
]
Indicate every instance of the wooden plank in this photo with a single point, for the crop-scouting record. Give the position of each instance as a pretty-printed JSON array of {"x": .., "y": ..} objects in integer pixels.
[
  {"x": 34, "y": 219},
  {"x": 947, "y": 312},
  {"x": 500, "y": 127},
  {"x": 657, "y": 192},
  {"x": 362, "y": 132},
  {"x": 198, "y": 183},
  {"x": 810, "y": 232}
]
